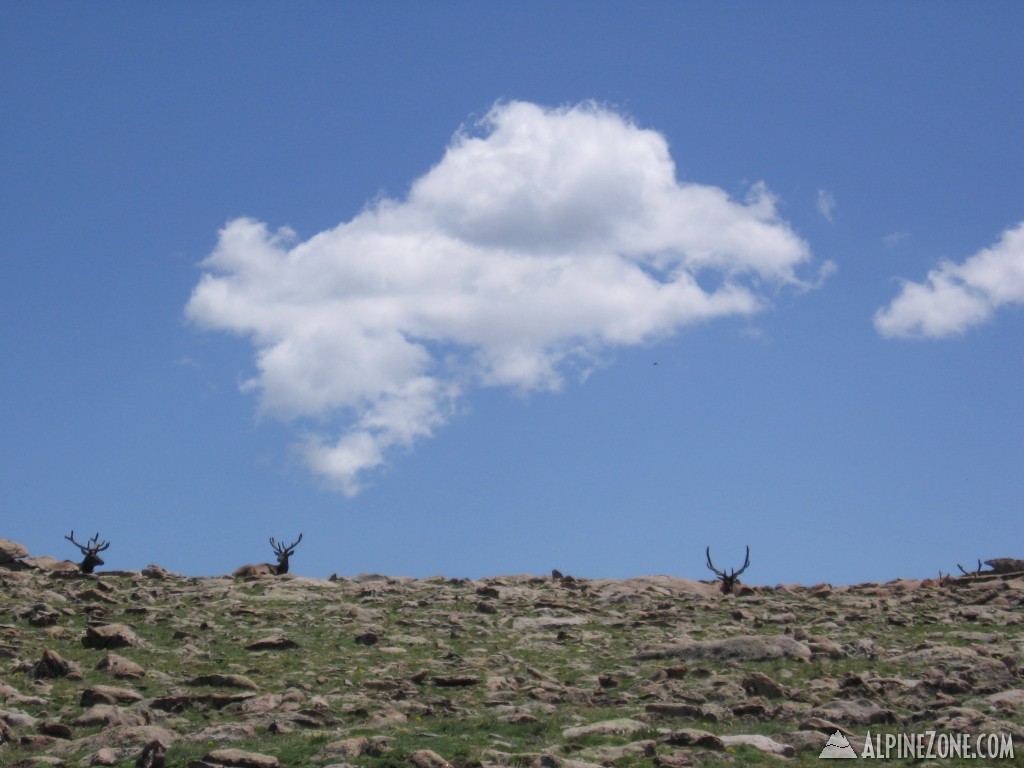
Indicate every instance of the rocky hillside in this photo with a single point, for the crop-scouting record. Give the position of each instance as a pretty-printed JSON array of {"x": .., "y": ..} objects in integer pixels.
[{"x": 150, "y": 668}]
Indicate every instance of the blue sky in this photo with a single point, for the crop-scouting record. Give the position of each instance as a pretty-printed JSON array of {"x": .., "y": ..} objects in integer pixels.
[{"x": 397, "y": 275}]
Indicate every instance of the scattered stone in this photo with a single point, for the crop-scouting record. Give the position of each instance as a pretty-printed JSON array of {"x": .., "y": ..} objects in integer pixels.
[
  {"x": 105, "y": 756},
  {"x": 108, "y": 694},
  {"x": 859, "y": 711},
  {"x": 997, "y": 564},
  {"x": 237, "y": 758},
  {"x": 224, "y": 681},
  {"x": 455, "y": 681},
  {"x": 57, "y": 730},
  {"x": 157, "y": 572},
  {"x": 675, "y": 709},
  {"x": 742, "y": 648},
  {"x": 956, "y": 669},
  {"x": 761, "y": 742},
  {"x": 222, "y": 732},
  {"x": 111, "y": 636},
  {"x": 521, "y": 623},
  {"x": 119, "y": 666},
  {"x": 618, "y": 727},
  {"x": 350, "y": 749},
  {"x": 153, "y": 755},
  {"x": 272, "y": 643},
  {"x": 53, "y": 665},
  {"x": 759, "y": 684},
  {"x": 694, "y": 737},
  {"x": 11, "y": 551},
  {"x": 426, "y": 758}
]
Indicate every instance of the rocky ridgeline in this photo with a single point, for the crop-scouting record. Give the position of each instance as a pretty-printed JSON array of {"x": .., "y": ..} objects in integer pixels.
[{"x": 150, "y": 668}]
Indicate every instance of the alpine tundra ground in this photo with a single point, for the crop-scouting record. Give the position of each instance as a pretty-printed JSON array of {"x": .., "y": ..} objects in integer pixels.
[{"x": 151, "y": 668}]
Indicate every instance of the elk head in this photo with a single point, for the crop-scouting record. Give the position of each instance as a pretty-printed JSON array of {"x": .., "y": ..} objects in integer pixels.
[
  {"x": 283, "y": 553},
  {"x": 91, "y": 551},
  {"x": 729, "y": 580}
]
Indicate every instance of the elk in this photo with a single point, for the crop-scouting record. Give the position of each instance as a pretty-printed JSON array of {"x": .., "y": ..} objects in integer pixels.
[
  {"x": 91, "y": 551},
  {"x": 729, "y": 580},
  {"x": 269, "y": 569}
]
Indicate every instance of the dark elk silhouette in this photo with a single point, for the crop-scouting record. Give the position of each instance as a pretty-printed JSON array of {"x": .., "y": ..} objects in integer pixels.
[
  {"x": 729, "y": 580},
  {"x": 91, "y": 551},
  {"x": 269, "y": 569}
]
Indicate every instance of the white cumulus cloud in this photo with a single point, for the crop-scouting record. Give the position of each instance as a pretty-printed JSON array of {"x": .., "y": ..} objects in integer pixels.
[
  {"x": 955, "y": 297},
  {"x": 542, "y": 240}
]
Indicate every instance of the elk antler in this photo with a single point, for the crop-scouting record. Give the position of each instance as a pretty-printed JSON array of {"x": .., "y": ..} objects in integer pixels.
[
  {"x": 965, "y": 573},
  {"x": 92, "y": 547},
  {"x": 728, "y": 579},
  {"x": 280, "y": 550}
]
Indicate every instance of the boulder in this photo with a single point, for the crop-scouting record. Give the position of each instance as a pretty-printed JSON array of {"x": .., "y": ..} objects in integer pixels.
[
  {"x": 119, "y": 666},
  {"x": 761, "y": 742},
  {"x": 11, "y": 551},
  {"x": 740, "y": 648},
  {"x": 426, "y": 758},
  {"x": 997, "y": 564},
  {"x": 272, "y": 643},
  {"x": 622, "y": 726},
  {"x": 111, "y": 636},
  {"x": 759, "y": 684},
  {"x": 53, "y": 665},
  {"x": 237, "y": 758},
  {"x": 224, "y": 681}
]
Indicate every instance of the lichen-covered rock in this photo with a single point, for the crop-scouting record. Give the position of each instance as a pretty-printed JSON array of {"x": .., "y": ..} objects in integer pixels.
[
  {"x": 53, "y": 665},
  {"x": 11, "y": 551},
  {"x": 426, "y": 758},
  {"x": 622, "y": 726},
  {"x": 272, "y": 643},
  {"x": 237, "y": 758},
  {"x": 118, "y": 666},
  {"x": 740, "y": 648},
  {"x": 111, "y": 636},
  {"x": 759, "y": 741}
]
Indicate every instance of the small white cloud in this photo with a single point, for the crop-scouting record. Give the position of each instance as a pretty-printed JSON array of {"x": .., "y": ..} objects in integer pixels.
[
  {"x": 542, "y": 240},
  {"x": 956, "y": 297},
  {"x": 826, "y": 204},
  {"x": 895, "y": 238}
]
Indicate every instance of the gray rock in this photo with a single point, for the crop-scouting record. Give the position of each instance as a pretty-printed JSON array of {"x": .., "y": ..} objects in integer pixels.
[
  {"x": 111, "y": 636},
  {"x": 742, "y": 648},
  {"x": 108, "y": 694},
  {"x": 761, "y": 742},
  {"x": 222, "y": 732},
  {"x": 759, "y": 684},
  {"x": 224, "y": 681},
  {"x": 272, "y": 643},
  {"x": 859, "y": 712},
  {"x": 11, "y": 551},
  {"x": 237, "y": 758},
  {"x": 119, "y": 666},
  {"x": 53, "y": 665},
  {"x": 426, "y": 758},
  {"x": 618, "y": 727},
  {"x": 153, "y": 755},
  {"x": 997, "y": 564}
]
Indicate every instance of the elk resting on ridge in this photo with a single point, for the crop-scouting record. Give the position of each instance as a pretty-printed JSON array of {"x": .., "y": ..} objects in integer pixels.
[
  {"x": 269, "y": 569},
  {"x": 729, "y": 580},
  {"x": 91, "y": 551}
]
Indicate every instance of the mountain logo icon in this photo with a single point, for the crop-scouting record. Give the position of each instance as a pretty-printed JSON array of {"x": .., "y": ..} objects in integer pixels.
[{"x": 837, "y": 747}]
